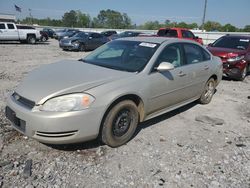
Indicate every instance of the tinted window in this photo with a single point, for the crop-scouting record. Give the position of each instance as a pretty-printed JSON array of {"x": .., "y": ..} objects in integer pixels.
[
  {"x": 96, "y": 35},
  {"x": 171, "y": 54},
  {"x": 187, "y": 34},
  {"x": 2, "y": 26},
  {"x": 10, "y": 26},
  {"x": 240, "y": 43},
  {"x": 131, "y": 56},
  {"x": 194, "y": 53},
  {"x": 167, "y": 33}
]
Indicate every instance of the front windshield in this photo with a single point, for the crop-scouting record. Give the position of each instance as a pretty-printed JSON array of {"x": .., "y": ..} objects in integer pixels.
[
  {"x": 232, "y": 42},
  {"x": 131, "y": 56}
]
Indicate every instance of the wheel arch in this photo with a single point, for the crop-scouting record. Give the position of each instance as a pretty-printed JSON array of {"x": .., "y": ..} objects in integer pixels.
[{"x": 133, "y": 97}]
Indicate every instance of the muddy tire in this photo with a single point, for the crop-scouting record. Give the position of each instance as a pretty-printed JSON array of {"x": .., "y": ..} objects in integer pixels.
[
  {"x": 120, "y": 124},
  {"x": 208, "y": 92}
]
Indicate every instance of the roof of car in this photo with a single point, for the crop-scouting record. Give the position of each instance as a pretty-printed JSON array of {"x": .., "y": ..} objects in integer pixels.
[
  {"x": 157, "y": 40},
  {"x": 238, "y": 36}
]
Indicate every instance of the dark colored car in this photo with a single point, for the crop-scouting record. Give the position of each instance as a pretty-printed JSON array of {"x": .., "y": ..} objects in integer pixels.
[
  {"x": 61, "y": 32},
  {"x": 125, "y": 34},
  {"x": 68, "y": 34},
  {"x": 44, "y": 36},
  {"x": 49, "y": 31},
  {"x": 179, "y": 33},
  {"x": 108, "y": 33},
  {"x": 234, "y": 51},
  {"x": 83, "y": 41}
]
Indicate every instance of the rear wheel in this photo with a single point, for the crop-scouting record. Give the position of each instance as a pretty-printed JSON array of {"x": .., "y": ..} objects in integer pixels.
[
  {"x": 31, "y": 39},
  {"x": 120, "y": 124},
  {"x": 208, "y": 92}
]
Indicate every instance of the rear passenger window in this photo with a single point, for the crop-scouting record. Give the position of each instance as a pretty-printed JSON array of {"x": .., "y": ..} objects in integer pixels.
[
  {"x": 10, "y": 26},
  {"x": 187, "y": 34},
  {"x": 2, "y": 26},
  {"x": 194, "y": 53}
]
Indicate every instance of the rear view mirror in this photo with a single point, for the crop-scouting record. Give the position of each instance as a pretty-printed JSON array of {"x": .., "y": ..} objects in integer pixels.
[{"x": 165, "y": 66}]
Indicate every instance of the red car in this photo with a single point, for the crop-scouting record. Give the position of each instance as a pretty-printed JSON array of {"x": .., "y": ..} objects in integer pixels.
[
  {"x": 178, "y": 33},
  {"x": 234, "y": 51}
]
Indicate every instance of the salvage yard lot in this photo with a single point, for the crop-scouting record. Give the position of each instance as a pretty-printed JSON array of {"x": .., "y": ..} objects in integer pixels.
[{"x": 178, "y": 149}]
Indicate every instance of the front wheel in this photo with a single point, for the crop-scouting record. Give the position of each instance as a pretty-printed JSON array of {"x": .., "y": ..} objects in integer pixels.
[
  {"x": 120, "y": 124},
  {"x": 244, "y": 73},
  {"x": 81, "y": 47},
  {"x": 208, "y": 92},
  {"x": 43, "y": 39}
]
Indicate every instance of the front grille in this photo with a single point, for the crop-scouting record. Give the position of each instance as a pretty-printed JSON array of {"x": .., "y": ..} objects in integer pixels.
[
  {"x": 55, "y": 134},
  {"x": 26, "y": 102}
]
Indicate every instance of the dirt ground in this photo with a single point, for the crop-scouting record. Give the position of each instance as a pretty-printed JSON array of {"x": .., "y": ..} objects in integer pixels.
[{"x": 178, "y": 149}]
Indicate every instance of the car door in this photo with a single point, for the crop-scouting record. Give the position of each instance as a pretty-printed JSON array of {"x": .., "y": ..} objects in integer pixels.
[
  {"x": 198, "y": 62},
  {"x": 171, "y": 87},
  {"x": 12, "y": 33},
  {"x": 98, "y": 40}
]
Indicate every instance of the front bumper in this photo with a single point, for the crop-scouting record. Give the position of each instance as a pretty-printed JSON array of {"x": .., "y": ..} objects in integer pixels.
[
  {"x": 233, "y": 70},
  {"x": 54, "y": 127},
  {"x": 68, "y": 46}
]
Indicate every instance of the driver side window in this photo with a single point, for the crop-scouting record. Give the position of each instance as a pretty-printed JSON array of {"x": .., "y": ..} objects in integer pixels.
[{"x": 171, "y": 54}]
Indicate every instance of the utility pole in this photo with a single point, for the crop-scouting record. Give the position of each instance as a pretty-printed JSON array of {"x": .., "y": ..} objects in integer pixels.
[
  {"x": 31, "y": 17},
  {"x": 204, "y": 15}
]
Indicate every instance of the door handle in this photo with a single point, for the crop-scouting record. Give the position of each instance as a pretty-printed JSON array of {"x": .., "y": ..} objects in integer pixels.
[
  {"x": 206, "y": 67},
  {"x": 181, "y": 74}
]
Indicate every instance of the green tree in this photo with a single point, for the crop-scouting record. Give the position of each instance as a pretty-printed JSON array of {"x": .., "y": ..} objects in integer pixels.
[
  {"x": 229, "y": 28},
  {"x": 112, "y": 19},
  {"x": 83, "y": 20},
  {"x": 69, "y": 19},
  {"x": 246, "y": 28},
  {"x": 212, "y": 26}
]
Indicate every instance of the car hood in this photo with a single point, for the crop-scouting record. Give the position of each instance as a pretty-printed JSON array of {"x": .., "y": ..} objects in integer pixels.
[
  {"x": 225, "y": 52},
  {"x": 70, "y": 39},
  {"x": 65, "y": 77}
]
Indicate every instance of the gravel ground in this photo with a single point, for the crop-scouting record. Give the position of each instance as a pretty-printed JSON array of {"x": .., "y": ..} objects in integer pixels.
[{"x": 194, "y": 146}]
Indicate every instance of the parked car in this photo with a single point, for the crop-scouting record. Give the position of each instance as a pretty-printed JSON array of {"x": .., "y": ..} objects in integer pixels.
[
  {"x": 11, "y": 32},
  {"x": 108, "y": 33},
  {"x": 125, "y": 34},
  {"x": 68, "y": 34},
  {"x": 234, "y": 51},
  {"x": 83, "y": 41},
  {"x": 62, "y": 32},
  {"x": 44, "y": 36},
  {"x": 107, "y": 93},
  {"x": 179, "y": 33},
  {"x": 49, "y": 31}
]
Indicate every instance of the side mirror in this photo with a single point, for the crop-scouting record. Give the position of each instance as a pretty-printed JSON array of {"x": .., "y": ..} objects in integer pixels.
[
  {"x": 210, "y": 44},
  {"x": 165, "y": 66},
  {"x": 196, "y": 37}
]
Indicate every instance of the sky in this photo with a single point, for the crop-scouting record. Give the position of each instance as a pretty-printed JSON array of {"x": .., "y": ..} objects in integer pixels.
[{"x": 235, "y": 12}]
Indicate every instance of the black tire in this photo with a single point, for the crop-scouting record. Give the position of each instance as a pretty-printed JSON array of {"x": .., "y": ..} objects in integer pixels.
[
  {"x": 244, "y": 73},
  {"x": 82, "y": 47},
  {"x": 208, "y": 92},
  {"x": 31, "y": 39},
  {"x": 43, "y": 39},
  {"x": 120, "y": 124}
]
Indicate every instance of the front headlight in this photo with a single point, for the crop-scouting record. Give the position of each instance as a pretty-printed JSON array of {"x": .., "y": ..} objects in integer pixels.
[
  {"x": 66, "y": 103},
  {"x": 237, "y": 58},
  {"x": 76, "y": 43}
]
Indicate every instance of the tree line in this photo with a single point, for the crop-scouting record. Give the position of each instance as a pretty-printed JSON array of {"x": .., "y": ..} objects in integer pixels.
[{"x": 115, "y": 20}]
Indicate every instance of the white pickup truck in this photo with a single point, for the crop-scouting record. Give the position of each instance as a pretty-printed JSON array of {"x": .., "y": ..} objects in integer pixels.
[{"x": 11, "y": 32}]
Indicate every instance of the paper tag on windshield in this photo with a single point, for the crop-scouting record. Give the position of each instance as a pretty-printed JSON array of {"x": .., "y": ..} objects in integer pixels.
[
  {"x": 145, "y": 44},
  {"x": 244, "y": 40}
]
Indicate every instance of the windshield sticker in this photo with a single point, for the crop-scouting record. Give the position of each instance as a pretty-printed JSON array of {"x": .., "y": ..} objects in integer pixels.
[
  {"x": 145, "y": 44},
  {"x": 244, "y": 40}
]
